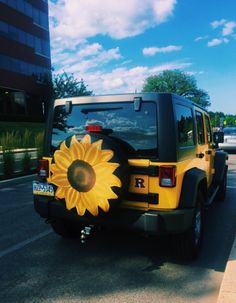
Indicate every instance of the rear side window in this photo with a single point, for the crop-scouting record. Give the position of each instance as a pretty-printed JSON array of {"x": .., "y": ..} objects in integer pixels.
[
  {"x": 208, "y": 129},
  {"x": 184, "y": 118},
  {"x": 200, "y": 128}
]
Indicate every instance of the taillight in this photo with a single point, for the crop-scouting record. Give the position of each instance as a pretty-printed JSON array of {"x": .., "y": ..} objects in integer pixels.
[
  {"x": 167, "y": 176},
  {"x": 43, "y": 168},
  {"x": 93, "y": 128}
]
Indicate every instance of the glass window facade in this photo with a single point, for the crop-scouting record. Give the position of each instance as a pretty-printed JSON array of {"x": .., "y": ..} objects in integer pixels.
[
  {"x": 22, "y": 67},
  {"x": 24, "y": 34},
  {"x": 39, "y": 45},
  {"x": 39, "y": 17}
]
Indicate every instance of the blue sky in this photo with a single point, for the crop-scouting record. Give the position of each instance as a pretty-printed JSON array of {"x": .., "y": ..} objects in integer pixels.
[{"x": 115, "y": 45}]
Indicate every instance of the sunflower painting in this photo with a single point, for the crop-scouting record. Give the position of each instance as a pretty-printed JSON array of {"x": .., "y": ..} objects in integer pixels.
[{"x": 83, "y": 175}]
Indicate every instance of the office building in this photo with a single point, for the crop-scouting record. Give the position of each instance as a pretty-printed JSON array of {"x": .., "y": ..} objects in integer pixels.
[{"x": 24, "y": 59}]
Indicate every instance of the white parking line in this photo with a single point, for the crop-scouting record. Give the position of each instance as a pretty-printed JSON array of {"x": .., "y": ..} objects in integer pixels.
[
  {"x": 24, "y": 243},
  {"x": 7, "y": 189}
]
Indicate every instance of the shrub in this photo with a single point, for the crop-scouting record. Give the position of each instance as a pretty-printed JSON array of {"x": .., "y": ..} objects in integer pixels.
[
  {"x": 8, "y": 164},
  {"x": 26, "y": 163}
]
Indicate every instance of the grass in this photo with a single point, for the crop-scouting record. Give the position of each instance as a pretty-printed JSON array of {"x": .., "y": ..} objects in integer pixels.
[{"x": 21, "y": 135}]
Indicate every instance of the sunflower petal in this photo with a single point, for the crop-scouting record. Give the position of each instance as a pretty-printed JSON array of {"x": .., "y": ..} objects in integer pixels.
[
  {"x": 63, "y": 147},
  {"x": 92, "y": 155},
  {"x": 62, "y": 159},
  {"x": 107, "y": 155},
  {"x": 80, "y": 208},
  {"x": 86, "y": 139},
  {"x": 105, "y": 168},
  {"x": 61, "y": 192},
  {"x": 73, "y": 140},
  {"x": 111, "y": 181},
  {"x": 104, "y": 204},
  {"x": 60, "y": 180},
  {"x": 77, "y": 151},
  {"x": 98, "y": 144},
  {"x": 89, "y": 201},
  {"x": 72, "y": 198}
]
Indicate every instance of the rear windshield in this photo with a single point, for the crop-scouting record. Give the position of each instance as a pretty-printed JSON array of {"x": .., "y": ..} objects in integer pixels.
[{"x": 138, "y": 129}]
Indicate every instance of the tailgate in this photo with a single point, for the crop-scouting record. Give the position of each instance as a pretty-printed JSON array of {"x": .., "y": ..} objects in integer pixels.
[{"x": 141, "y": 193}]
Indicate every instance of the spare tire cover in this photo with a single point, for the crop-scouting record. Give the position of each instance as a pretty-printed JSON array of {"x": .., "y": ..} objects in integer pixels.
[{"x": 90, "y": 174}]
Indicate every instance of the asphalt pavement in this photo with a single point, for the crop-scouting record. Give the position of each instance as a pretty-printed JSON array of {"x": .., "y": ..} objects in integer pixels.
[{"x": 37, "y": 266}]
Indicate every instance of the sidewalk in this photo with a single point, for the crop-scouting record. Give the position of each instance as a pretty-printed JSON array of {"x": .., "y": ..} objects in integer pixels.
[
  {"x": 4, "y": 183},
  {"x": 227, "y": 292}
]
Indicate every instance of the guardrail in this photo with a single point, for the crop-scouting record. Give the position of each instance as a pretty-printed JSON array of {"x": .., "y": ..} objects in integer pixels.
[{"x": 17, "y": 162}]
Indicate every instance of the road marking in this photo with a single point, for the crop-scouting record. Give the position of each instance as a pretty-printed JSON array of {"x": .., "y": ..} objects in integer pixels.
[
  {"x": 23, "y": 243},
  {"x": 228, "y": 186},
  {"x": 7, "y": 189}
]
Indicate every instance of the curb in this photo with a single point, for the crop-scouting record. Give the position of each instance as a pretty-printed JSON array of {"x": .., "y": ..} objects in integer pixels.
[
  {"x": 15, "y": 180},
  {"x": 227, "y": 292}
]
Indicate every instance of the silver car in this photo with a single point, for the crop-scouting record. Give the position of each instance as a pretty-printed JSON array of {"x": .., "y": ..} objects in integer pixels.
[{"x": 229, "y": 139}]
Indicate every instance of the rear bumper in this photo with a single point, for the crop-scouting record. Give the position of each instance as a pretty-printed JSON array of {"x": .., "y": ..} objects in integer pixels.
[{"x": 152, "y": 222}]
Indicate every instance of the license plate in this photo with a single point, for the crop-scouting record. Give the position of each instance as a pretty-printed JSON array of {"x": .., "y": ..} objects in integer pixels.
[{"x": 43, "y": 189}]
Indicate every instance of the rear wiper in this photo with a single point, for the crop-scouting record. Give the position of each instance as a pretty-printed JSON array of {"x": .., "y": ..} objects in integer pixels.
[{"x": 92, "y": 110}]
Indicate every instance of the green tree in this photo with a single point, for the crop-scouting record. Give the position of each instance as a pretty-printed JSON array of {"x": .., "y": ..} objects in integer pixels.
[
  {"x": 178, "y": 82},
  {"x": 66, "y": 85},
  {"x": 228, "y": 120}
]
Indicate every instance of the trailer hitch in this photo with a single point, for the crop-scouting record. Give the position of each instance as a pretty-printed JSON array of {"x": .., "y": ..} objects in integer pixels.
[{"x": 85, "y": 233}]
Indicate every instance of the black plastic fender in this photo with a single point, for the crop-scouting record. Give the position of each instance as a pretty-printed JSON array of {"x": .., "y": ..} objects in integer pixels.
[
  {"x": 220, "y": 166},
  {"x": 193, "y": 178}
]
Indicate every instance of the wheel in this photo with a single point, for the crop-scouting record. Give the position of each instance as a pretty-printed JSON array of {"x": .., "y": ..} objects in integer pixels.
[
  {"x": 65, "y": 229},
  {"x": 189, "y": 243},
  {"x": 222, "y": 189}
]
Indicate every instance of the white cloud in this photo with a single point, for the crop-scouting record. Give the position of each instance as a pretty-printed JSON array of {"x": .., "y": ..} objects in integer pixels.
[
  {"x": 74, "y": 21},
  {"x": 218, "y": 23},
  {"x": 217, "y": 41},
  {"x": 90, "y": 50},
  {"x": 127, "y": 80},
  {"x": 89, "y": 57},
  {"x": 228, "y": 28},
  {"x": 200, "y": 38},
  {"x": 151, "y": 51}
]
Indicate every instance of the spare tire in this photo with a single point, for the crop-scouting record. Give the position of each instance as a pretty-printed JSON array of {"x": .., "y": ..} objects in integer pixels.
[{"x": 91, "y": 175}]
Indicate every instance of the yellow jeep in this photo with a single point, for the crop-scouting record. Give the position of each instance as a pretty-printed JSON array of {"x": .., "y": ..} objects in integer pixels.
[{"x": 136, "y": 161}]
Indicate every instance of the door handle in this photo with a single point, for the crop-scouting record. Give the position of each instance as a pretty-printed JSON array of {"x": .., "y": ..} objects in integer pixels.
[{"x": 200, "y": 155}]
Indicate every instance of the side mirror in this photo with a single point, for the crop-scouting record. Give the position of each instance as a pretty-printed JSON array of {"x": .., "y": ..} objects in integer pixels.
[{"x": 218, "y": 137}]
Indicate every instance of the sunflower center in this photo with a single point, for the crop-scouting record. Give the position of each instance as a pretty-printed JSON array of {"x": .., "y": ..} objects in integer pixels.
[{"x": 81, "y": 176}]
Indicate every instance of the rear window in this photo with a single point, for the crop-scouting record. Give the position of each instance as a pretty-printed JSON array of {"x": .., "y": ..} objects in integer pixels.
[{"x": 120, "y": 120}]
